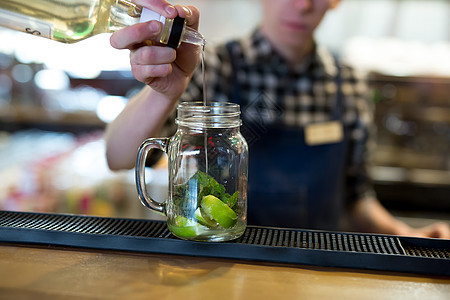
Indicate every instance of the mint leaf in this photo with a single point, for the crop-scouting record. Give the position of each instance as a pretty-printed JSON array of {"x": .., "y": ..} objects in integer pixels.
[
  {"x": 231, "y": 200},
  {"x": 201, "y": 185},
  {"x": 206, "y": 185}
]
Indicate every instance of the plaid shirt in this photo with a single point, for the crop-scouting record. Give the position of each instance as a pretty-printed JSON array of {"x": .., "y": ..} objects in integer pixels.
[{"x": 298, "y": 96}]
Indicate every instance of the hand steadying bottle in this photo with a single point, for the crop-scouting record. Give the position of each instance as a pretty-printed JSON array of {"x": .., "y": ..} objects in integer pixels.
[{"x": 70, "y": 21}]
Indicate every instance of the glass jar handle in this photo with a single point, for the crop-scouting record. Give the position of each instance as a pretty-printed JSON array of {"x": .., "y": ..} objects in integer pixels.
[{"x": 146, "y": 146}]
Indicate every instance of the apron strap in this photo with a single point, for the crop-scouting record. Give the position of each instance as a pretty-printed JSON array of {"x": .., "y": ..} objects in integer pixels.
[
  {"x": 235, "y": 92},
  {"x": 338, "y": 111}
]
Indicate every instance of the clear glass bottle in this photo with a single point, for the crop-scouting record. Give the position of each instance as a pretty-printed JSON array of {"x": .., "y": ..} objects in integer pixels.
[
  {"x": 208, "y": 160},
  {"x": 70, "y": 21}
]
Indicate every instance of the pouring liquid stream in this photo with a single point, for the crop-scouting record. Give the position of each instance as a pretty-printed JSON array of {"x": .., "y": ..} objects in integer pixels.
[{"x": 204, "y": 104}]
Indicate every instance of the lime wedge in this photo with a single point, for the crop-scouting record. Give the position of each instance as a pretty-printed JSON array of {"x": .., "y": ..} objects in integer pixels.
[
  {"x": 184, "y": 227},
  {"x": 219, "y": 211},
  {"x": 204, "y": 219}
]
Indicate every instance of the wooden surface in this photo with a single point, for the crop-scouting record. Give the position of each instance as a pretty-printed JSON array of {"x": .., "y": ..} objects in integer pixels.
[{"x": 66, "y": 273}]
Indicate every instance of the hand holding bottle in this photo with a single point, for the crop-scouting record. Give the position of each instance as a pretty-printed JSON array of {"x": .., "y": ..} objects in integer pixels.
[{"x": 165, "y": 70}]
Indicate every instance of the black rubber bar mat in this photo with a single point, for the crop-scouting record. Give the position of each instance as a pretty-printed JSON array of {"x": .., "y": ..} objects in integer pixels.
[{"x": 281, "y": 245}]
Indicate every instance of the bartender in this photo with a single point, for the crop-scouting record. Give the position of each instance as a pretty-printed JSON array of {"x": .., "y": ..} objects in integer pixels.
[{"x": 307, "y": 118}]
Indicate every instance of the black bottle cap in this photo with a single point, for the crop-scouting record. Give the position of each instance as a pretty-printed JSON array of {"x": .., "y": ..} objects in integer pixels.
[{"x": 175, "y": 34}]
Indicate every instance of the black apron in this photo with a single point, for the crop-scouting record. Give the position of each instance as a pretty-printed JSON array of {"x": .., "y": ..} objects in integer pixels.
[{"x": 292, "y": 184}]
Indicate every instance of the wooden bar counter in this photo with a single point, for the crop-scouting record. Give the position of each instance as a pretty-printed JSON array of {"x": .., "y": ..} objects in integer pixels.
[{"x": 48, "y": 272}]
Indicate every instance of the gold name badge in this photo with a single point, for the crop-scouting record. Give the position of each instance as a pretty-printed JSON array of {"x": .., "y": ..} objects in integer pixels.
[{"x": 324, "y": 133}]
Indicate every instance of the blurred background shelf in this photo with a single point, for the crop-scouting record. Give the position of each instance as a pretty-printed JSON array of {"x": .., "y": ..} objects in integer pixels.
[{"x": 34, "y": 115}]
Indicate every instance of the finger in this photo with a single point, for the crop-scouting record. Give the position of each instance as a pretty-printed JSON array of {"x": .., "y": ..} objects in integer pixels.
[
  {"x": 135, "y": 34},
  {"x": 146, "y": 73},
  {"x": 153, "y": 55},
  {"x": 160, "y": 6},
  {"x": 435, "y": 230},
  {"x": 190, "y": 13},
  {"x": 440, "y": 230}
]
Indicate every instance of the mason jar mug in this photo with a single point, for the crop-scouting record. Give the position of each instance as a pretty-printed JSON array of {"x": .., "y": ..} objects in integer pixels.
[{"x": 207, "y": 161}]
